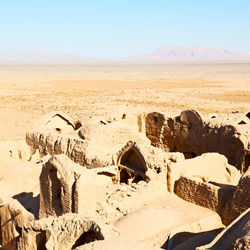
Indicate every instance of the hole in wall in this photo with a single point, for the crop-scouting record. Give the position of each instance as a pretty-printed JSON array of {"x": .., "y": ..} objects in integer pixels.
[
  {"x": 189, "y": 155},
  {"x": 155, "y": 119},
  {"x": 85, "y": 238},
  {"x": 242, "y": 122},
  {"x": 132, "y": 167},
  {"x": 133, "y": 161},
  {"x": 41, "y": 240},
  {"x": 59, "y": 130}
]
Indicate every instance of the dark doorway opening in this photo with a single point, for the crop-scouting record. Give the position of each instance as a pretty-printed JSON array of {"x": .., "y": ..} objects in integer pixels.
[
  {"x": 133, "y": 161},
  {"x": 85, "y": 238}
]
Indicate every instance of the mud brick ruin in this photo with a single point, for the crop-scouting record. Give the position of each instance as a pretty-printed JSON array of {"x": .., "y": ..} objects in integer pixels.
[{"x": 96, "y": 177}]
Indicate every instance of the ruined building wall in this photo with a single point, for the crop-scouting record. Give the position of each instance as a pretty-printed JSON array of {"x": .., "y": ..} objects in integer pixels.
[
  {"x": 49, "y": 143},
  {"x": 210, "y": 182},
  {"x": 94, "y": 145},
  {"x": 204, "y": 194},
  {"x": 241, "y": 198},
  {"x": 13, "y": 217},
  {"x": 189, "y": 134},
  {"x": 64, "y": 232},
  {"x": 66, "y": 188},
  {"x": 78, "y": 150}
]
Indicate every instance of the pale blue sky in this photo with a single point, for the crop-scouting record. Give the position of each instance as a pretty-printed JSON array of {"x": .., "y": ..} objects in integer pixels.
[{"x": 116, "y": 28}]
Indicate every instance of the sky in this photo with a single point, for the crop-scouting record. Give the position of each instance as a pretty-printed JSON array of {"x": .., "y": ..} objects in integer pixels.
[{"x": 121, "y": 28}]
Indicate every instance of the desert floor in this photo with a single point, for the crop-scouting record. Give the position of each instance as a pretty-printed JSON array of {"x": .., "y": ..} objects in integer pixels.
[{"x": 82, "y": 90}]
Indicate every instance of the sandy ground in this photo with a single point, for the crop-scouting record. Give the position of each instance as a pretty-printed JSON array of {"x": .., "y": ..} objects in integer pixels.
[
  {"x": 167, "y": 213},
  {"x": 81, "y": 90},
  {"x": 27, "y": 91}
]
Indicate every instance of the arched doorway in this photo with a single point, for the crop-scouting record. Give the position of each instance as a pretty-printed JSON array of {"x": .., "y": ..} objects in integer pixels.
[
  {"x": 86, "y": 237},
  {"x": 131, "y": 165}
]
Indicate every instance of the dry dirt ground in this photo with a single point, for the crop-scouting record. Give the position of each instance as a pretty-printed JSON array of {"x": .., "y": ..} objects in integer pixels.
[
  {"x": 81, "y": 90},
  {"x": 29, "y": 90}
]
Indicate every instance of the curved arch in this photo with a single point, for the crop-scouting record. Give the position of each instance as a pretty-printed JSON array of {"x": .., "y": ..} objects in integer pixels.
[
  {"x": 86, "y": 237},
  {"x": 131, "y": 165}
]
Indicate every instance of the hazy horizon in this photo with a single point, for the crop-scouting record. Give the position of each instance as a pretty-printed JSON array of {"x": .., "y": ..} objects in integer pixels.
[{"x": 160, "y": 55}]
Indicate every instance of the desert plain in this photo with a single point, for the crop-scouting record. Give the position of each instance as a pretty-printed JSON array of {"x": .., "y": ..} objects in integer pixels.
[
  {"x": 103, "y": 89},
  {"x": 30, "y": 90}
]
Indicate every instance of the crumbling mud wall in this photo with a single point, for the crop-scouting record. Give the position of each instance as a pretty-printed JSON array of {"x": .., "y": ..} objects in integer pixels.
[
  {"x": 66, "y": 188},
  {"x": 19, "y": 230},
  {"x": 241, "y": 198},
  {"x": 131, "y": 165},
  {"x": 204, "y": 194},
  {"x": 13, "y": 218},
  {"x": 142, "y": 162},
  {"x": 55, "y": 133},
  {"x": 93, "y": 145},
  {"x": 56, "y": 121},
  {"x": 193, "y": 136},
  {"x": 210, "y": 168},
  {"x": 54, "y": 144},
  {"x": 65, "y": 232},
  {"x": 208, "y": 181}
]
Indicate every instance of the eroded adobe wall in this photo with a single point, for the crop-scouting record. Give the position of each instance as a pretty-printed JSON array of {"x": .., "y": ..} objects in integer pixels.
[
  {"x": 13, "y": 217},
  {"x": 209, "y": 181},
  {"x": 64, "y": 232},
  {"x": 56, "y": 182},
  {"x": 93, "y": 145},
  {"x": 145, "y": 160},
  {"x": 65, "y": 187},
  {"x": 203, "y": 194},
  {"x": 75, "y": 148},
  {"x": 241, "y": 198},
  {"x": 189, "y": 134}
]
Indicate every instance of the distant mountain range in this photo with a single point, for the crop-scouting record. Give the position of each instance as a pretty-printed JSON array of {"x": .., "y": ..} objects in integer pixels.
[
  {"x": 187, "y": 53},
  {"x": 163, "y": 54}
]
